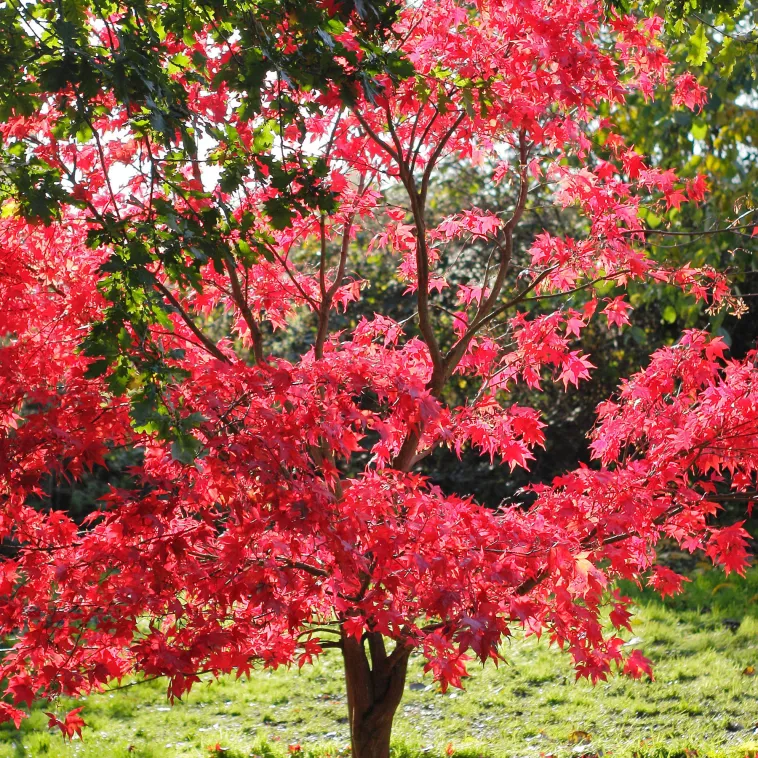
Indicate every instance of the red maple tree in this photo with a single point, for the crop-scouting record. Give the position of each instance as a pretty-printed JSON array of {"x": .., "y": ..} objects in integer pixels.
[{"x": 255, "y": 531}]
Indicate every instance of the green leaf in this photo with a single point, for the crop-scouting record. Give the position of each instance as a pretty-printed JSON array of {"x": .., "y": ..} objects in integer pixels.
[
  {"x": 97, "y": 368},
  {"x": 468, "y": 102},
  {"x": 653, "y": 220},
  {"x": 280, "y": 212},
  {"x": 727, "y": 57},
  {"x": 698, "y": 47},
  {"x": 263, "y": 138},
  {"x": 185, "y": 448},
  {"x": 699, "y": 129},
  {"x": 246, "y": 253}
]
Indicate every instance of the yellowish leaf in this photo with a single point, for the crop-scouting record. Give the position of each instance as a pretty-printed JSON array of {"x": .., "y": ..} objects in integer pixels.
[{"x": 579, "y": 736}]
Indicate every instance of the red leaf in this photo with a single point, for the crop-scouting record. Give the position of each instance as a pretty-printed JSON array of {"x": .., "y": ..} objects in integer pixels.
[
  {"x": 636, "y": 665},
  {"x": 72, "y": 723}
]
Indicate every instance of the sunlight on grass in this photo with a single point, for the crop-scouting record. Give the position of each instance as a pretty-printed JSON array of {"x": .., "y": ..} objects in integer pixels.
[{"x": 700, "y": 704}]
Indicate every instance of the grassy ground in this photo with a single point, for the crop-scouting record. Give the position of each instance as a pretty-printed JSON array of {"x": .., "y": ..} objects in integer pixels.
[{"x": 703, "y": 702}]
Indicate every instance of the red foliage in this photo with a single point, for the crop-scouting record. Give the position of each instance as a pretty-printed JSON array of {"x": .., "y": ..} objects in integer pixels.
[
  {"x": 72, "y": 723},
  {"x": 244, "y": 554}
]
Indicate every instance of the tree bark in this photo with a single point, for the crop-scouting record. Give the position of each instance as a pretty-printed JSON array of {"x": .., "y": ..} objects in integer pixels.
[{"x": 374, "y": 691}]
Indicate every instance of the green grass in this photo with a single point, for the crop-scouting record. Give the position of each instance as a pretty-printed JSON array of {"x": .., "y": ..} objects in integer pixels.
[{"x": 700, "y": 704}]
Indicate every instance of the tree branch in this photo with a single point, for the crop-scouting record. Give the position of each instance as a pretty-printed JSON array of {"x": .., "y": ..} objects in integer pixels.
[
  {"x": 434, "y": 157},
  {"x": 375, "y": 137},
  {"x": 240, "y": 300},
  {"x": 209, "y": 345},
  {"x": 327, "y": 295},
  {"x": 485, "y": 312},
  {"x": 530, "y": 584}
]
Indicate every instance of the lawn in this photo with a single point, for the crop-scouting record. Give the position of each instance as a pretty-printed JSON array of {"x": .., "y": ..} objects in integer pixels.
[{"x": 703, "y": 702}]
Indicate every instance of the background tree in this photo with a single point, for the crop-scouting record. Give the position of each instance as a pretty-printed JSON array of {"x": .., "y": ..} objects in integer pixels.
[
  {"x": 717, "y": 141},
  {"x": 277, "y": 509}
]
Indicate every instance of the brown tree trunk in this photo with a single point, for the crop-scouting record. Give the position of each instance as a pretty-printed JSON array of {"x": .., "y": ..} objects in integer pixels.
[{"x": 374, "y": 691}]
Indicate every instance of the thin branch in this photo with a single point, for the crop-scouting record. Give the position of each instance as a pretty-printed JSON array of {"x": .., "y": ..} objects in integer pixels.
[
  {"x": 422, "y": 138},
  {"x": 313, "y": 570},
  {"x": 485, "y": 312},
  {"x": 581, "y": 287},
  {"x": 412, "y": 137},
  {"x": 519, "y": 298},
  {"x": 240, "y": 300},
  {"x": 530, "y": 584},
  {"x": 209, "y": 345},
  {"x": 436, "y": 154},
  {"x": 329, "y": 645},
  {"x": 327, "y": 295},
  {"x": 667, "y": 233},
  {"x": 376, "y": 138},
  {"x": 283, "y": 262}
]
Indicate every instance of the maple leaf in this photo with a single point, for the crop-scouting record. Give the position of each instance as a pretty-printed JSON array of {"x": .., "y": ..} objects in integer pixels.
[
  {"x": 354, "y": 626},
  {"x": 575, "y": 368},
  {"x": 665, "y": 581},
  {"x": 71, "y": 725},
  {"x": 633, "y": 163},
  {"x": 617, "y": 311},
  {"x": 574, "y": 325},
  {"x": 696, "y": 188},
  {"x": 9, "y": 713},
  {"x": 689, "y": 92},
  {"x": 621, "y": 617},
  {"x": 636, "y": 665},
  {"x": 21, "y": 688},
  {"x": 338, "y": 182},
  {"x": 675, "y": 198}
]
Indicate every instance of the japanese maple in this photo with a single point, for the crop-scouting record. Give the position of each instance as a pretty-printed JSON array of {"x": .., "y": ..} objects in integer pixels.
[{"x": 278, "y": 508}]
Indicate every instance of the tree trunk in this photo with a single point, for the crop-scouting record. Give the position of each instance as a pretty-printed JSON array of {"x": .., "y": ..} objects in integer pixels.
[{"x": 374, "y": 691}]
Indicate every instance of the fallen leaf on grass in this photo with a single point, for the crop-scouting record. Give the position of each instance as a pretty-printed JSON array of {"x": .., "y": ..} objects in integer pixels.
[{"x": 579, "y": 736}]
